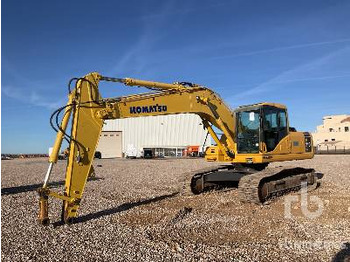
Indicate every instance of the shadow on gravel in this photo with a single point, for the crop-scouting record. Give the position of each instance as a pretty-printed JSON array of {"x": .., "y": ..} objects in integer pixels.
[
  {"x": 319, "y": 175},
  {"x": 33, "y": 187},
  {"x": 117, "y": 209},
  {"x": 343, "y": 255}
]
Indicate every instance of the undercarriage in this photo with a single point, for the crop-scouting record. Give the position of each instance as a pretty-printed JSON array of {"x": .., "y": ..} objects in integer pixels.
[{"x": 254, "y": 186}]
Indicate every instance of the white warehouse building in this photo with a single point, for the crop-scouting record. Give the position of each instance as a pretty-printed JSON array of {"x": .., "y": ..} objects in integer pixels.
[{"x": 168, "y": 135}]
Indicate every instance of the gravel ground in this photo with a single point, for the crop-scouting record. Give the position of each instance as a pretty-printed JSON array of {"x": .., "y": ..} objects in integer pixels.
[{"x": 132, "y": 212}]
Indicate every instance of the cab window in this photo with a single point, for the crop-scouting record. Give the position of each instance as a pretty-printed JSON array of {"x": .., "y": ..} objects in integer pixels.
[{"x": 274, "y": 126}]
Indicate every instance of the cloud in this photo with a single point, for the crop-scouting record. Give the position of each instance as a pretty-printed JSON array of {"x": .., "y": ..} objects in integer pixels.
[
  {"x": 31, "y": 97},
  {"x": 270, "y": 50},
  {"x": 139, "y": 57},
  {"x": 313, "y": 78},
  {"x": 27, "y": 95},
  {"x": 184, "y": 10},
  {"x": 131, "y": 61},
  {"x": 293, "y": 75}
]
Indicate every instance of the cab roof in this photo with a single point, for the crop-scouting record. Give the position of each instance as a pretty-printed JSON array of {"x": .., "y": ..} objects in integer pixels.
[{"x": 263, "y": 104}]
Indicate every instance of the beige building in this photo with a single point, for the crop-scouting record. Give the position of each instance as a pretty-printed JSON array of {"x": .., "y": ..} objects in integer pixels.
[{"x": 333, "y": 133}]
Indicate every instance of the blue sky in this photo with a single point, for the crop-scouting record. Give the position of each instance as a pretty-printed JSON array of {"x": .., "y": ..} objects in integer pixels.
[{"x": 291, "y": 52}]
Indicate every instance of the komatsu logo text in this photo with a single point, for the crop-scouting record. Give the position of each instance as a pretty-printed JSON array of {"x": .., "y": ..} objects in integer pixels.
[{"x": 148, "y": 109}]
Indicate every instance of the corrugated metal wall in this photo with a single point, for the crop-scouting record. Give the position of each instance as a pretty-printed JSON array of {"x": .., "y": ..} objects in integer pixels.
[{"x": 160, "y": 131}]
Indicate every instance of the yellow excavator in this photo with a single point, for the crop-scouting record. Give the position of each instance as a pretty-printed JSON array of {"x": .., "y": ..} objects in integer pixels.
[{"x": 252, "y": 137}]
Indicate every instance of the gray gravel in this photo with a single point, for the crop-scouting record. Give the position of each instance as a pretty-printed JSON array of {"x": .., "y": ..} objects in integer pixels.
[{"x": 133, "y": 212}]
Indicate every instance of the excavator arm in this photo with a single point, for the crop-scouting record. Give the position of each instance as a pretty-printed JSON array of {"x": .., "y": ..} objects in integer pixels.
[{"x": 86, "y": 110}]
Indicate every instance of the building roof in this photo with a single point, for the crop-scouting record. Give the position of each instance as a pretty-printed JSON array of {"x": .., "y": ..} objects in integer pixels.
[
  {"x": 345, "y": 120},
  {"x": 329, "y": 143},
  {"x": 335, "y": 116}
]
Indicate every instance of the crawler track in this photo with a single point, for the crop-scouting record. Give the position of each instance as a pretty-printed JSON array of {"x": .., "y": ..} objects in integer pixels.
[
  {"x": 254, "y": 186},
  {"x": 191, "y": 178},
  {"x": 260, "y": 186}
]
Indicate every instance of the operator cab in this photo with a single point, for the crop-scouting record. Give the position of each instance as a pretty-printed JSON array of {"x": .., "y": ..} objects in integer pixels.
[{"x": 260, "y": 127}]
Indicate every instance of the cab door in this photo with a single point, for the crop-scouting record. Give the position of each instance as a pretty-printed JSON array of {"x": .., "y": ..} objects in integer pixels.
[
  {"x": 275, "y": 128},
  {"x": 248, "y": 131}
]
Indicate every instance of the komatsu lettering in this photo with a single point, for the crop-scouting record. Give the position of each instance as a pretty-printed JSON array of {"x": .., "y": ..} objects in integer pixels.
[{"x": 148, "y": 109}]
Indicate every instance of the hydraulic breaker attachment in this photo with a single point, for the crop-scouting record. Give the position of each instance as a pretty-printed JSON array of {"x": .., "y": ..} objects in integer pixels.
[{"x": 43, "y": 206}]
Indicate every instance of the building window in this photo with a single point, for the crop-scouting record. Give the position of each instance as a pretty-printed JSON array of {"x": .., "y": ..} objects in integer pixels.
[
  {"x": 331, "y": 130},
  {"x": 326, "y": 140},
  {"x": 333, "y": 139},
  {"x": 339, "y": 129},
  {"x": 346, "y": 129}
]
